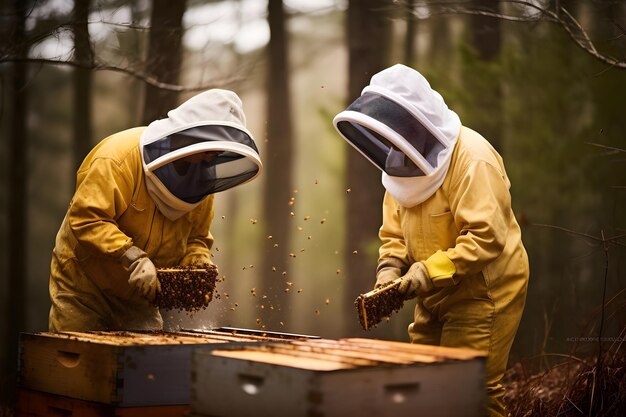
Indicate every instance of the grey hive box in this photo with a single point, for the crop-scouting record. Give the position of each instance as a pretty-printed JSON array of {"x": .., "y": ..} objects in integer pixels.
[
  {"x": 338, "y": 378},
  {"x": 124, "y": 369}
]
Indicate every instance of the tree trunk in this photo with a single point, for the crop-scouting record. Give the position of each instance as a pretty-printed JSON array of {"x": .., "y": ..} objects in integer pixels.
[
  {"x": 16, "y": 308},
  {"x": 278, "y": 165},
  {"x": 441, "y": 48},
  {"x": 486, "y": 33},
  {"x": 164, "y": 57},
  {"x": 369, "y": 32},
  {"x": 411, "y": 27},
  {"x": 486, "y": 39},
  {"x": 82, "y": 83}
]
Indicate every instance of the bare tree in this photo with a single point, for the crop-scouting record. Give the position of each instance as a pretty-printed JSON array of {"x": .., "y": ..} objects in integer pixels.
[
  {"x": 18, "y": 180},
  {"x": 369, "y": 32},
  {"x": 411, "y": 26},
  {"x": 556, "y": 12},
  {"x": 486, "y": 32},
  {"x": 441, "y": 40},
  {"x": 278, "y": 161},
  {"x": 164, "y": 57},
  {"x": 83, "y": 53},
  {"x": 486, "y": 40}
]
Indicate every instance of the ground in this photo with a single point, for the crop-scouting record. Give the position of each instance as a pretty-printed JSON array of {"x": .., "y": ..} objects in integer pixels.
[{"x": 573, "y": 387}]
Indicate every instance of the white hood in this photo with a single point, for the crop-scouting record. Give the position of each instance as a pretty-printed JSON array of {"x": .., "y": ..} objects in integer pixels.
[
  {"x": 209, "y": 107},
  {"x": 410, "y": 89},
  {"x": 414, "y": 99},
  {"x": 214, "y": 121}
]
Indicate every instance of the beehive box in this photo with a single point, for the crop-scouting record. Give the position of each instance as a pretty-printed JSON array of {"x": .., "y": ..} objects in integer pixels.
[
  {"x": 120, "y": 368},
  {"x": 41, "y": 404},
  {"x": 338, "y": 378}
]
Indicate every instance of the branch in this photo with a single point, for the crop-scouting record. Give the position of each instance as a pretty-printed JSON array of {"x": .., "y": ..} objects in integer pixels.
[
  {"x": 612, "y": 150},
  {"x": 611, "y": 240},
  {"x": 569, "y": 24},
  {"x": 140, "y": 75}
]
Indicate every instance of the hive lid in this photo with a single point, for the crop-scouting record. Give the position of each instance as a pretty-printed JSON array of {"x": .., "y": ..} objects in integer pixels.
[
  {"x": 330, "y": 355},
  {"x": 143, "y": 338}
]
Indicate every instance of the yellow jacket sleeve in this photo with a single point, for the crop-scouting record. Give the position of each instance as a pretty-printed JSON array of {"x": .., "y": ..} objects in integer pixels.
[
  {"x": 393, "y": 250},
  {"x": 103, "y": 193},
  {"x": 480, "y": 203},
  {"x": 200, "y": 239}
]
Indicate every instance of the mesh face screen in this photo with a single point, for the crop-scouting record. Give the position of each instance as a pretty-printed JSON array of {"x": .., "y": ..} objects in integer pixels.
[
  {"x": 195, "y": 176},
  {"x": 379, "y": 150},
  {"x": 402, "y": 122}
]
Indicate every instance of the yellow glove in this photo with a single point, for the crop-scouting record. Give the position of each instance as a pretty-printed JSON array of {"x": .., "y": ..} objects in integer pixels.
[
  {"x": 386, "y": 275},
  {"x": 415, "y": 282},
  {"x": 143, "y": 274}
]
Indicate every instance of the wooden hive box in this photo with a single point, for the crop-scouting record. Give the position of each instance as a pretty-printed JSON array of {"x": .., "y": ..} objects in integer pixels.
[
  {"x": 338, "y": 378},
  {"x": 124, "y": 369}
]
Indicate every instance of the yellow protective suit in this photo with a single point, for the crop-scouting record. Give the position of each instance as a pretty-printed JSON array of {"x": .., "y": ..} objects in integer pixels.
[
  {"x": 111, "y": 210},
  {"x": 470, "y": 242}
]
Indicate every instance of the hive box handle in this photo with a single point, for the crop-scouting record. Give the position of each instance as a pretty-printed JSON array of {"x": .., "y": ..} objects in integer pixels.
[
  {"x": 251, "y": 384},
  {"x": 400, "y": 393},
  {"x": 68, "y": 359}
]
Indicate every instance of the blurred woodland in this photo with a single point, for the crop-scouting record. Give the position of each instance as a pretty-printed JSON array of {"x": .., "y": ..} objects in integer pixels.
[{"x": 544, "y": 81}]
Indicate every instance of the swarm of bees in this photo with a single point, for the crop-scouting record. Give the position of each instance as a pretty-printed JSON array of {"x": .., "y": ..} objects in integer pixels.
[
  {"x": 282, "y": 246},
  {"x": 188, "y": 288}
]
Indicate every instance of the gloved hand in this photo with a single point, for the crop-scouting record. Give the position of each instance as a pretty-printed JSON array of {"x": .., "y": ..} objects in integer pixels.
[
  {"x": 415, "y": 282},
  {"x": 386, "y": 275},
  {"x": 143, "y": 274}
]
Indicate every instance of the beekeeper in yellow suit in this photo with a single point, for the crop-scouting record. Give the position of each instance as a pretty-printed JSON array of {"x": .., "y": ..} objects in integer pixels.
[
  {"x": 448, "y": 228},
  {"x": 144, "y": 199}
]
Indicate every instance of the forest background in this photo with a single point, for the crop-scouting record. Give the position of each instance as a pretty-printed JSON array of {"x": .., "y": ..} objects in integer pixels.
[{"x": 296, "y": 246}]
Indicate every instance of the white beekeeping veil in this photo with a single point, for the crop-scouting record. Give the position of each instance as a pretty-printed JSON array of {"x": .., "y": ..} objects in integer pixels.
[
  {"x": 201, "y": 148},
  {"x": 403, "y": 127}
]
